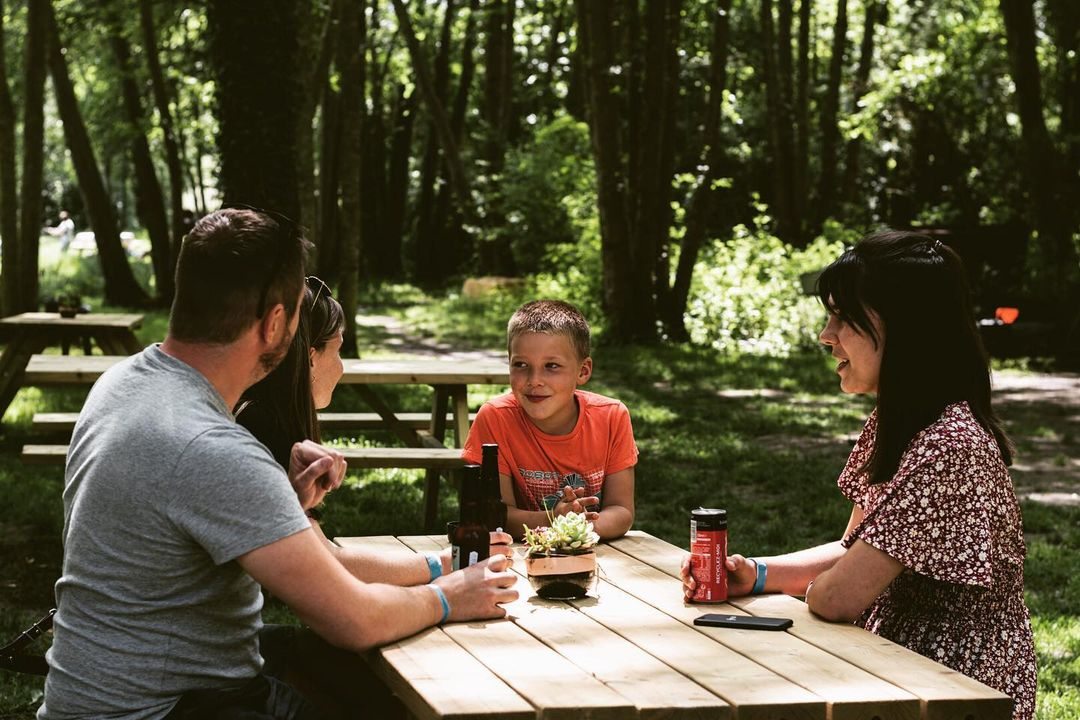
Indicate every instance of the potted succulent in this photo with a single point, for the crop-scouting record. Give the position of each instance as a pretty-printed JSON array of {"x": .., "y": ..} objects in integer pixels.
[{"x": 561, "y": 560}]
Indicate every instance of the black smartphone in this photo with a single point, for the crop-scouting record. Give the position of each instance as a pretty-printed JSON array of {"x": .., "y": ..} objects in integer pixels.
[{"x": 746, "y": 622}]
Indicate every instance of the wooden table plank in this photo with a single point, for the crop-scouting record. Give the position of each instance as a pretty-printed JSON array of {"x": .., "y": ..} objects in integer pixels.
[
  {"x": 433, "y": 675},
  {"x": 752, "y": 690},
  {"x": 83, "y": 321},
  {"x": 943, "y": 692},
  {"x": 431, "y": 372},
  {"x": 558, "y": 689},
  {"x": 849, "y": 691},
  {"x": 68, "y": 369}
]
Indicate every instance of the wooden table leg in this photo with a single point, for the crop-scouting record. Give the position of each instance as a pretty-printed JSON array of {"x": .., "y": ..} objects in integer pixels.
[
  {"x": 460, "y": 394},
  {"x": 408, "y": 436},
  {"x": 431, "y": 478},
  {"x": 13, "y": 364}
]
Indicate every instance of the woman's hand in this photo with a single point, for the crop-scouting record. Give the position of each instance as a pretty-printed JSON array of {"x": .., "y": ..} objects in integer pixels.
[
  {"x": 741, "y": 576},
  {"x": 314, "y": 471}
]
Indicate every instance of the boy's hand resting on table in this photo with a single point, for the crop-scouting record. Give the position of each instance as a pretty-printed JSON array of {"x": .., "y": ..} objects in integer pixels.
[
  {"x": 741, "y": 575},
  {"x": 575, "y": 500},
  {"x": 478, "y": 591}
]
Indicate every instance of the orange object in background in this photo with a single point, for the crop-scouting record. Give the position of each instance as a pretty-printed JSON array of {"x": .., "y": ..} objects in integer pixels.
[{"x": 1007, "y": 315}]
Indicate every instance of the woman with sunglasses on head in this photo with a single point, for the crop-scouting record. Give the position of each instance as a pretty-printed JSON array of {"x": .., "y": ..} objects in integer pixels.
[
  {"x": 933, "y": 554},
  {"x": 281, "y": 409}
]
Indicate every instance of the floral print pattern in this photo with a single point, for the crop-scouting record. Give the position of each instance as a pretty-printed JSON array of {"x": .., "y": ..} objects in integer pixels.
[{"x": 951, "y": 517}]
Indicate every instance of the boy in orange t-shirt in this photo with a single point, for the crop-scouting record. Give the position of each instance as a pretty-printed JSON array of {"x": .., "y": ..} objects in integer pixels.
[{"x": 561, "y": 449}]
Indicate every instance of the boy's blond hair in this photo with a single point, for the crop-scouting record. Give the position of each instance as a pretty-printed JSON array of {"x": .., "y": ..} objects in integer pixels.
[{"x": 551, "y": 317}]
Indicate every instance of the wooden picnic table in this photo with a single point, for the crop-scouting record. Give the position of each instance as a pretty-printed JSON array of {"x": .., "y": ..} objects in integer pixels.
[
  {"x": 449, "y": 380},
  {"x": 634, "y": 652},
  {"x": 31, "y": 332}
]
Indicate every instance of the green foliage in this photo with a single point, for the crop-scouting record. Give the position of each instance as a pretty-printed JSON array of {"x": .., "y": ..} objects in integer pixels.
[
  {"x": 549, "y": 186},
  {"x": 747, "y": 296}
]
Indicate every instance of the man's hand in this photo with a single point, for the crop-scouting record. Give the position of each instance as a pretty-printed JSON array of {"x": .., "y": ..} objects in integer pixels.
[
  {"x": 478, "y": 591},
  {"x": 575, "y": 500},
  {"x": 500, "y": 545},
  {"x": 314, "y": 470},
  {"x": 741, "y": 575}
]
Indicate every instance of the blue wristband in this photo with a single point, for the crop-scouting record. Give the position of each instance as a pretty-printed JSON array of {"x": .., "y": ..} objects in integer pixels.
[
  {"x": 762, "y": 573},
  {"x": 434, "y": 564},
  {"x": 443, "y": 601}
]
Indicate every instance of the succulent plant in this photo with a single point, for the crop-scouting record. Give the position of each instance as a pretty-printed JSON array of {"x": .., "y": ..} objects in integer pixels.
[{"x": 567, "y": 534}]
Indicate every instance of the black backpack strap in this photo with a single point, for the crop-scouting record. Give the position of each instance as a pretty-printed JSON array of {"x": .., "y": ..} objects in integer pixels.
[{"x": 11, "y": 657}]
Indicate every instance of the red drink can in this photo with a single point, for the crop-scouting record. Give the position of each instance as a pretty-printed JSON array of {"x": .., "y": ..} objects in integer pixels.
[{"x": 708, "y": 554}]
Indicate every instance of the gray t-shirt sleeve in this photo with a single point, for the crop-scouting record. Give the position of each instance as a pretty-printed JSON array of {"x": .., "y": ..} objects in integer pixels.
[{"x": 231, "y": 497}]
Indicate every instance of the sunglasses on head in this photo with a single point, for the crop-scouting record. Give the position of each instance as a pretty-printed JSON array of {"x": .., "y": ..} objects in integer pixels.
[
  {"x": 317, "y": 286},
  {"x": 288, "y": 228}
]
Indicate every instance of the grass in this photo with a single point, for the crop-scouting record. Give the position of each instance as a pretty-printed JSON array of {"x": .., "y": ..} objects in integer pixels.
[{"x": 763, "y": 437}]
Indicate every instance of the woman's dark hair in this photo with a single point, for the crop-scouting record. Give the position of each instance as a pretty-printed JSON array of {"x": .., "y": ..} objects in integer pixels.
[
  {"x": 932, "y": 353},
  {"x": 279, "y": 409}
]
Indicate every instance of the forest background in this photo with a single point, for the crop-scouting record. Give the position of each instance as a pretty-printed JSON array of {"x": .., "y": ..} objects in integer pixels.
[
  {"x": 680, "y": 169},
  {"x": 658, "y": 161}
]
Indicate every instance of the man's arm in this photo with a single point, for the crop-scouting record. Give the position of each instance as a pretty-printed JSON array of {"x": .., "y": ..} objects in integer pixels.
[
  {"x": 404, "y": 569},
  {"x": 357, "y": 615}
]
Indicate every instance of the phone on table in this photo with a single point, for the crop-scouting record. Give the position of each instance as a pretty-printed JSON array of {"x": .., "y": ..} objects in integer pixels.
[{"x": 745, "y": 622}]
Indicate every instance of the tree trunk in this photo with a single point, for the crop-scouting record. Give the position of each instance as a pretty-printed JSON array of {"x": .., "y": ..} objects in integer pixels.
[
  {"x": 121, "y": 288},
  {"x": 1045, "y": 167},
  {"x": 149, "y": 203},
  {"x": 172, "y": 146},
  {"x": 830, "y": 106},
  {"x": 862, "y": 78},
  {"x": 495, "y": 255},
  {"x": 452, "y": 254},
  {"x": 673, "y": 312},
  {"x": 9, "y": 222},
  {"x": 318, "y": 40},
  {"x": 353, "y": 32},
  {"x": 37, "y": 41},
  {"x": 254, "y": 57},
  {"x": 657, "y": 159},
  {"x": 329, "y": 163},
  {"x": 779, "y": 128},
  {"x": 397, "y": 179},
  {"x": 457, "y": 176},
  {"x": 429, "y": 268},
  {"x": 597, "y": 56},
  {"x": 802, "y": 114}
]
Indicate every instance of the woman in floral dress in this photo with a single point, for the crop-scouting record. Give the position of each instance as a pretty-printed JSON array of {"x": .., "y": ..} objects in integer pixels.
[{"x": 933, "y": 555}]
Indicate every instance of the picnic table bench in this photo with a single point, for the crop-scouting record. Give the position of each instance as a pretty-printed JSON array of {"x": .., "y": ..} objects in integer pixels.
[
  {"x": 424, "y": 434},
  {"x": 30, "y": 333},
  {"x": 633, "y": 652}
]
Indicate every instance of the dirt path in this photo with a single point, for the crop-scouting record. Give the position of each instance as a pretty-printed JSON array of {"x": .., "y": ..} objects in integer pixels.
[{"x": 1046, "y": 408}]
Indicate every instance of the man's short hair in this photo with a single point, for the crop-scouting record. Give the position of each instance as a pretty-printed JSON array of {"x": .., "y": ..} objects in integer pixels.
[
  {"x": 552, "y": 317},
  {"x": 234, "y": 266}
]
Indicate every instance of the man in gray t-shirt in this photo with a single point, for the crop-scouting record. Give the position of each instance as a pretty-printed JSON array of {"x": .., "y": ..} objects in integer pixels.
[{"x": 174, "y": 515}]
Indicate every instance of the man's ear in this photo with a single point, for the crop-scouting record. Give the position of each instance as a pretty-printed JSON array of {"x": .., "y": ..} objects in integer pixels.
[
  {"x": 272, "y": 324},
  {"x": 585, "y": 372}
]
